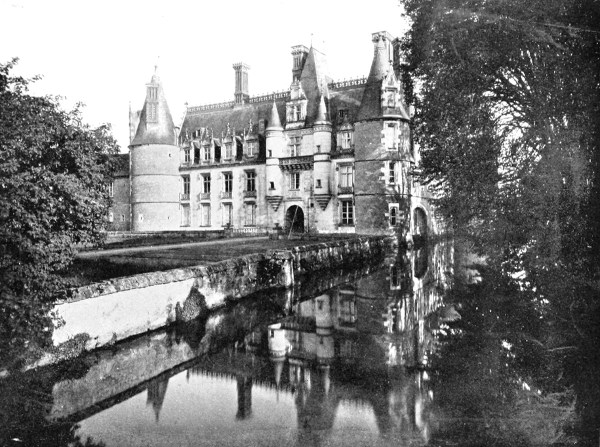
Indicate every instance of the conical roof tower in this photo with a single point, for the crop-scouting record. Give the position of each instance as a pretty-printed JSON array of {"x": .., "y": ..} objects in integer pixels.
[{"x": 156, "y": 123}]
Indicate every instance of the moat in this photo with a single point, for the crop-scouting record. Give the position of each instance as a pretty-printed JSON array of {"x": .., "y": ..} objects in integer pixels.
[{"x": 373, "y": 356}]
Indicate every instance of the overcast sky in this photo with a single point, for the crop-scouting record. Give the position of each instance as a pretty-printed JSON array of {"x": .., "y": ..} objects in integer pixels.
[{"x": 102, "y": 53}]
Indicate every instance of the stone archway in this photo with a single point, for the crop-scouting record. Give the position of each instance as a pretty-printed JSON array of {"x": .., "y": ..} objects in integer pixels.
[{"x": 294, "y": 219}]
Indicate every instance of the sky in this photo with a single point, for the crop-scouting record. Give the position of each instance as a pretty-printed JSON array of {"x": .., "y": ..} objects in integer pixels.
[{"x": 102, "y": 53}]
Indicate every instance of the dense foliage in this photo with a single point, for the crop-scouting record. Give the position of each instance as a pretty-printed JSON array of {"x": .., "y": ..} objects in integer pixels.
[
  {"x": 53, "y": 196},
  {"x": 507, "y": 94}
]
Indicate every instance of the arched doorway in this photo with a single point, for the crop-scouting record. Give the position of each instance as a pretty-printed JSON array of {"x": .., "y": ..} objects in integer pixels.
[{"x": 294, "y": 219}]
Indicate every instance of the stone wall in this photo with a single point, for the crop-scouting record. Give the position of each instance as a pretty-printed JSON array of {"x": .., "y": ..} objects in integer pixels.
[{"x": 103, "y": 313}]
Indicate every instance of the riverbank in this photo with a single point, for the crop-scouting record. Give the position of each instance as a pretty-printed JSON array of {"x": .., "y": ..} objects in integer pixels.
[{"x": 109, "y": 311}]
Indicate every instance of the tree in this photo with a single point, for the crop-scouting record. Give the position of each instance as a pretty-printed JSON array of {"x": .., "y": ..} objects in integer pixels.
[
  {"x": 507, "y": 113},
  {"x": 508, "y": 105},
  {"x": 54, "y": 173}
]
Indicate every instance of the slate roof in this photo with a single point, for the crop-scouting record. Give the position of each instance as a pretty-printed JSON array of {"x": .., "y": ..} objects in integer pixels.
[
  {"x": 163, "y": 130},
  {"x": 371, "y": 100},
  {"x": 237, "y": 117}
]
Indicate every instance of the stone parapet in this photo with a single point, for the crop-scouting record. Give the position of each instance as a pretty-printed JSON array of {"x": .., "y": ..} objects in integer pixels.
[{"x": 104, "y": 313}]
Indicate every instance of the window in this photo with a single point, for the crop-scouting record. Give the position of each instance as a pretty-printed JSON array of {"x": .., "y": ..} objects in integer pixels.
[
  {"x": 185, "y": 179},
  {"x": 404, "y": 137},
  {"x": 346, "y": 176},
  {"x": 205, "y": 215},
  {"x": 228, "y": 151},
  {"x": 391, "y": 136},
  {"x": 318, "y": 148},
  {"x": 346, "y": 139},
  {"x": 395, "y": 216},
  {"x": 342, "y": 114},
  {"x": 250, "y": 181},
  {"x": 347, "y": 212},
  {"x": 391, "y": 100},
  {"x": 196, "y": 155},
  {"x": 295, "y": 180},
  {"x": 270, "y": 153},
  {"x": 295, "y": 143},
  {"x": 227, "y": 214},
  {"x": 206, "y": 153},
  {"x": 392, "y": 172},
  {"x": 206, "y": 183},
  {"x": 296, "y": 112},
  {"x": 251, "y": 148},
  {"x": 152, "y": 115},
  {"x": 153, "y": 92},
  {"x": 111, "y": 189},
  {"x": 271, "y": 185},
  {"x": 250, "y": 213},
  {"x": 227, "y": 182},
  {"x": 187, "y": 155},
  {"x": 320, "y": 304},
  {"x": 318, "y": 183},
  {"x": 185, "y": 215}
]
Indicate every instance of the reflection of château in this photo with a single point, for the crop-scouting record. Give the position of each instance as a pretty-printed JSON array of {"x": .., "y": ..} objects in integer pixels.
[
  {"x": 323, "y": 351},
  {"x": 322, "y": 156}
]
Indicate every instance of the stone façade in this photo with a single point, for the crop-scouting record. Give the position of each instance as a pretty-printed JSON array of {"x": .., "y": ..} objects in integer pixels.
[{"x": 323, "y": 157}]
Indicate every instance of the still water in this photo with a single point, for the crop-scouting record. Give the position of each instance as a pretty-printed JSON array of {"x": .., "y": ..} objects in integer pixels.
[{"x": 350, "y": 359}]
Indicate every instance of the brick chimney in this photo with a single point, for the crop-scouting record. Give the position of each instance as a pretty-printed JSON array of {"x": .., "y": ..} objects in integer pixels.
[
  {"x": 299, "y": 53},
  {"x": 241, "y": 83}
]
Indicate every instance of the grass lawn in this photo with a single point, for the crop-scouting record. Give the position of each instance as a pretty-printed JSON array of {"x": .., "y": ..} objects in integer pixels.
[{"x": 106, "y": 266}]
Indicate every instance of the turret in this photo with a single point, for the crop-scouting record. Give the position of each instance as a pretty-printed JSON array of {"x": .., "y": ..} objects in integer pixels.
[
  {"x": 382, "y": 147},
  {"x": 155, "y": 179},
  {"x": 275, "y": 145},
  {"x": 322, "y": 156}
]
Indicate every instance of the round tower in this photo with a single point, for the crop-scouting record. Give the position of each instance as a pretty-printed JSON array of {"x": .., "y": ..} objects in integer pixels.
[
  {"x": 155, "y": 181},
  {"x": 275, "y": 145},
  {"x": 322, "y": 162}
]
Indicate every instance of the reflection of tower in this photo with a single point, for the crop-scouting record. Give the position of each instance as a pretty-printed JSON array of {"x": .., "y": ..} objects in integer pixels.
[
  {"x": 244, "y": 390},
  {"x": 157, "y": 389}
]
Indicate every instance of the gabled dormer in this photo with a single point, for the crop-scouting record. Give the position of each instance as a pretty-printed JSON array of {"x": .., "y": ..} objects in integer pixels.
[
  {"x": 345, "y": 137},
  {"x": 250, "y": 142},
  {"x": 229, "y": 145},
  {"x": 392, "y": 97},
  {"x": 295, "y": 108}
]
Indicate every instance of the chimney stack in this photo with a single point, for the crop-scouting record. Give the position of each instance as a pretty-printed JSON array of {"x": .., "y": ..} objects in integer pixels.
[
  {"x": 241, "y": 83},
  {"x": 299, "y": 52}
]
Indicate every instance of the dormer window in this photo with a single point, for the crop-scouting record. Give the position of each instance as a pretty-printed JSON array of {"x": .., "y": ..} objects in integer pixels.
[
  {"x": 251, "y": 147},
  {"x": 346, "y": 139},
  {"x": 391, "y": 100},
  {"x": 342, "y": 115},
  {"x": 295, "y": 112},
  {"x": 153, "y": 93},
  {"x": 228, "y": 151},
  {"x": 206, "y": 153},
  {"x": 151, "y": 115}
]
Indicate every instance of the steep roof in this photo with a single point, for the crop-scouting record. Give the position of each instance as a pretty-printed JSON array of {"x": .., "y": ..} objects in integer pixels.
[
  {"x": 158, "y": 129},
  {"x": 371, "y": 100},
  {"x": 314, "y": 80},
  {"x": 237, "y": 117}
]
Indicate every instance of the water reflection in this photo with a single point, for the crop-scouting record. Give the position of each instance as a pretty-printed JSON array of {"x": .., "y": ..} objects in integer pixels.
[{"x": 341, "y": 361}]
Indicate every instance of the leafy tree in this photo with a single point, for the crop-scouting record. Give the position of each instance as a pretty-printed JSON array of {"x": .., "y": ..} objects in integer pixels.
[
  {"x": 53, "y": 197},
  {"x": 507, "y": 113},
  {"x": 508, "y": 103}
]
